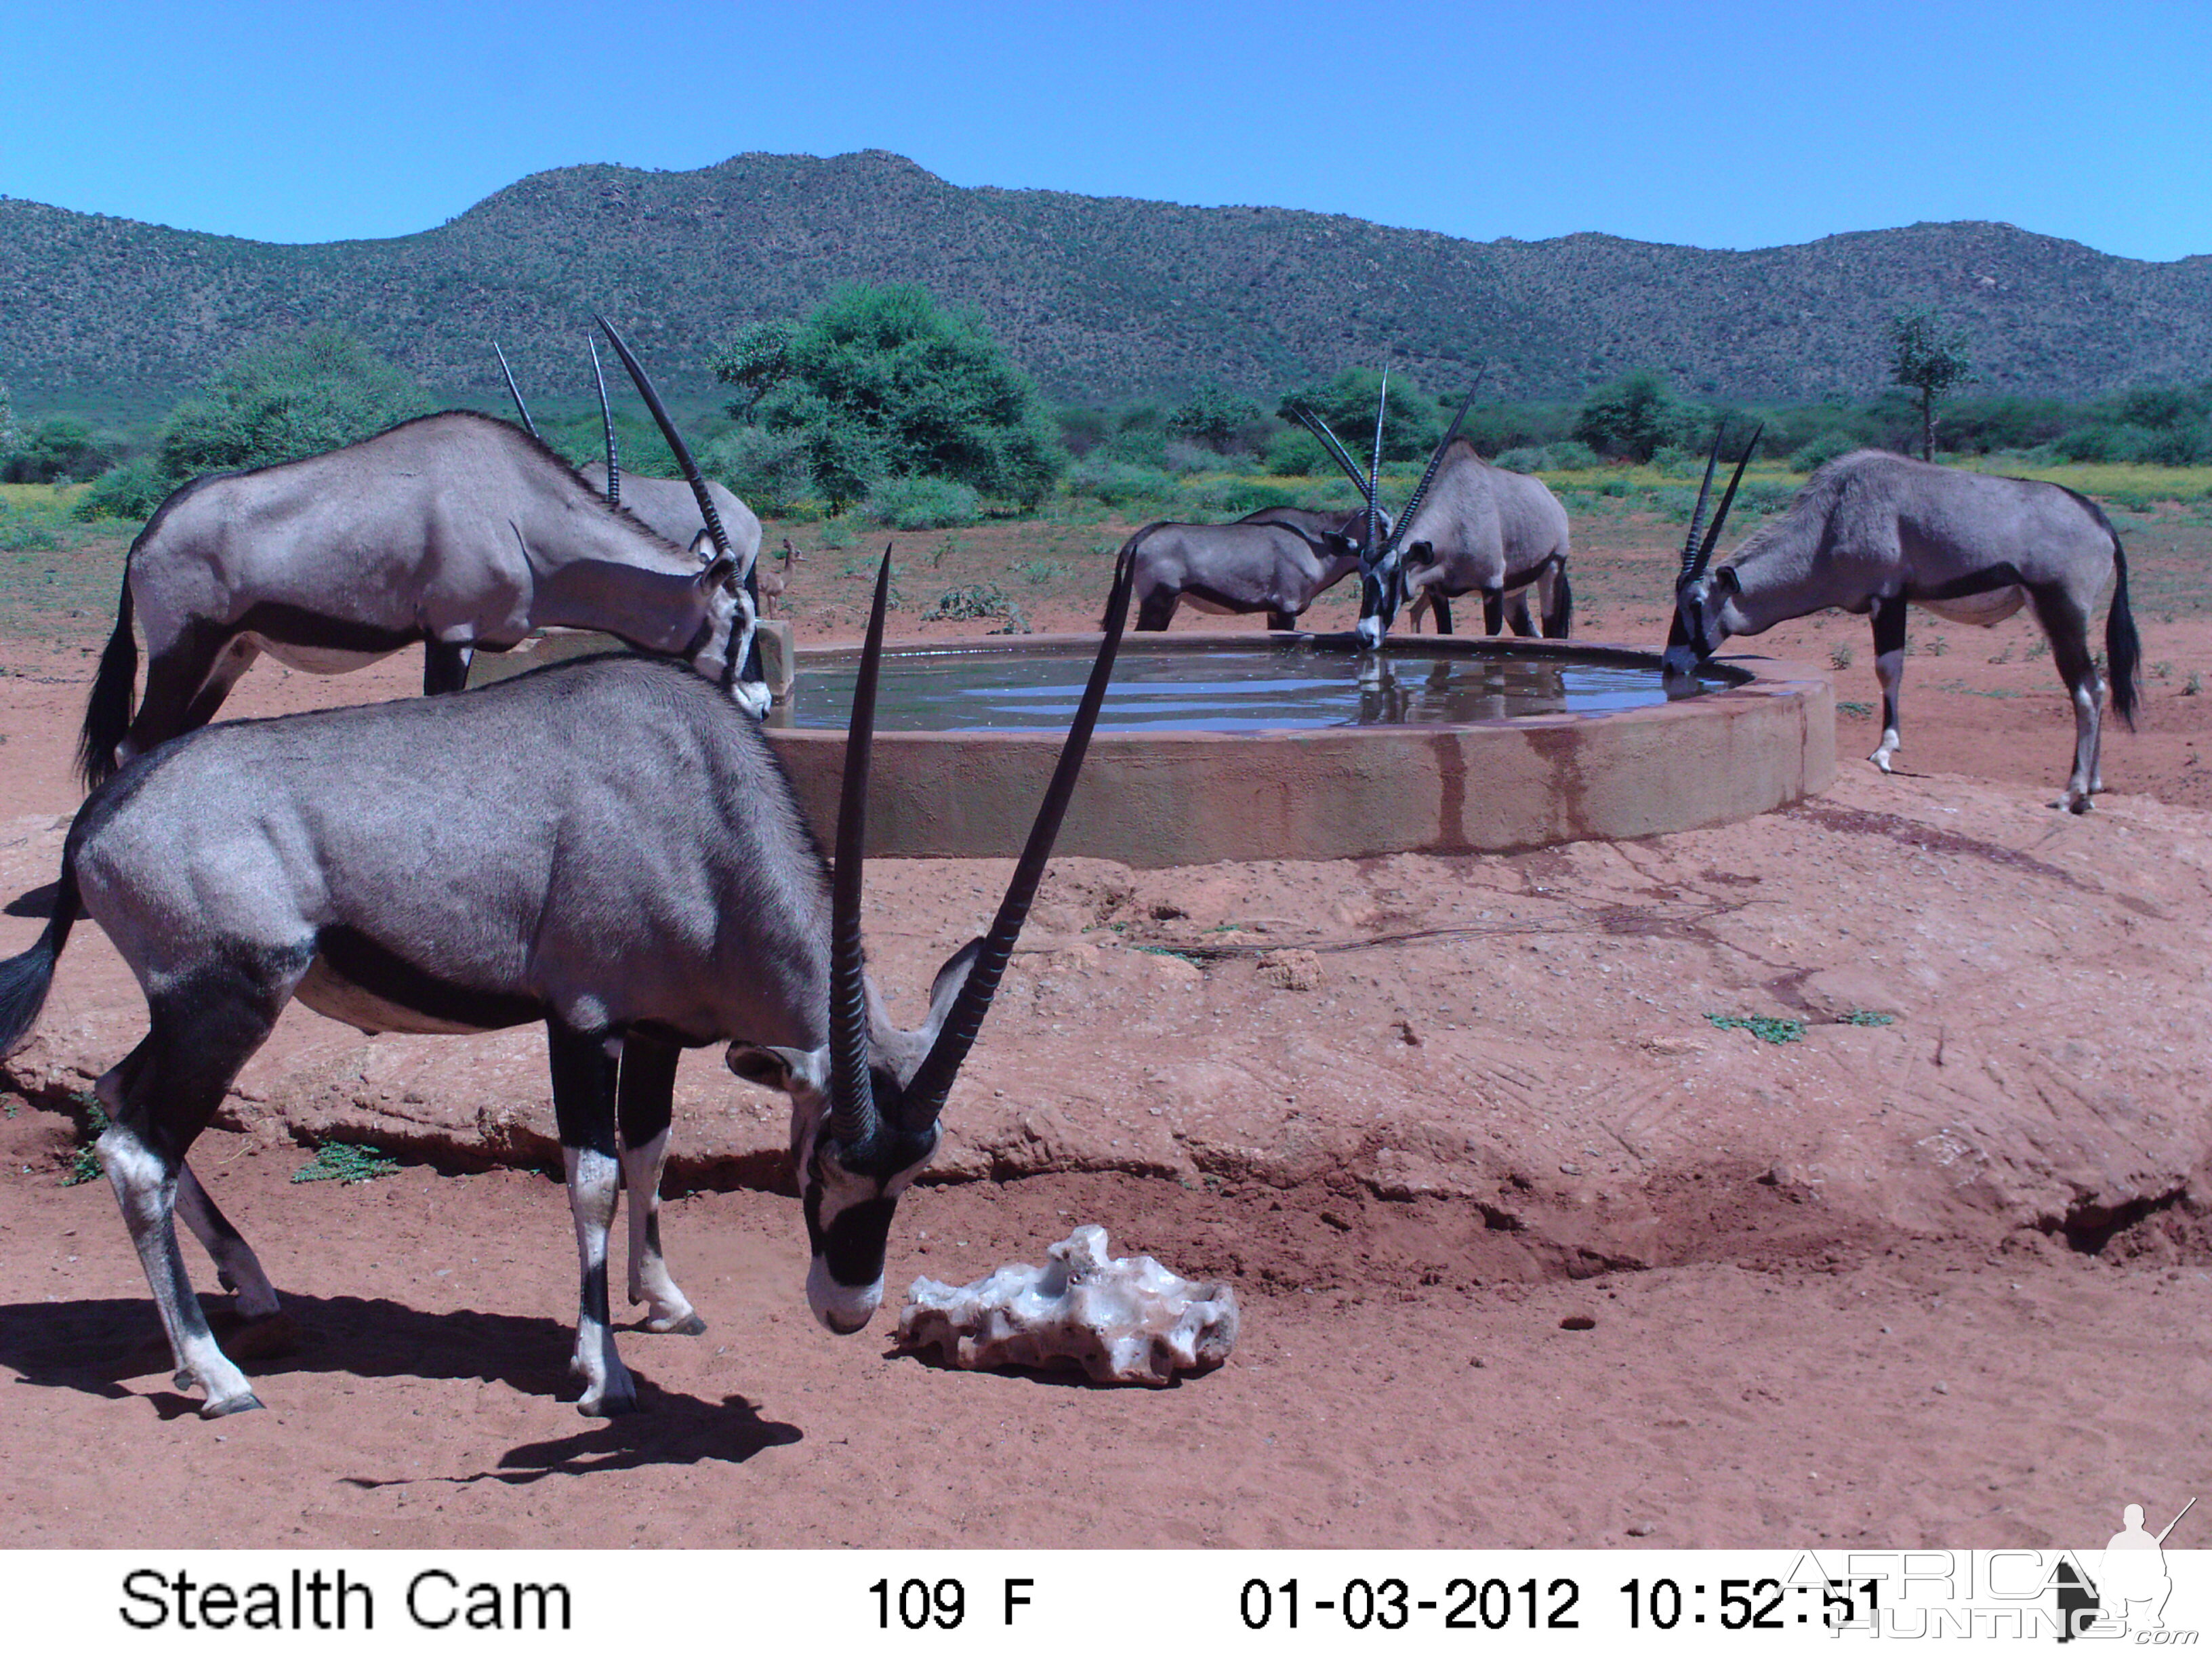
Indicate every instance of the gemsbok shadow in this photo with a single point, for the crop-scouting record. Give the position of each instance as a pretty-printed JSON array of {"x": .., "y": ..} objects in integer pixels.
[{"x": 95, "y": 1346}]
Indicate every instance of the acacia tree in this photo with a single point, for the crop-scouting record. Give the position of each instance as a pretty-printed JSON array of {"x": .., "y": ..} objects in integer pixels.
[
  {"x": 1929, "y": 358},
  {"x": 884, "y": 382}
]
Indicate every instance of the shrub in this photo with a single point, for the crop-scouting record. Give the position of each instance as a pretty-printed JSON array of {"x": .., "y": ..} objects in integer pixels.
[
  {"x": 1215, "y": 418},
  {"x": 300, "y": 397},
  {"x": 1411, "y": 423},
  {"x": 923, "y": 504},
  {"x": 1635, "y": 416},
  {"x": 768, "y": 469},
  {"x": 131, "y": 491},
  {"x": 886, "y": 383},
  {"x": 1822, "y": 450},
  {"x": 61, "y": 450},
  {"x": 1120, "y": 485},
  {"x": 1295, "y": 453}
]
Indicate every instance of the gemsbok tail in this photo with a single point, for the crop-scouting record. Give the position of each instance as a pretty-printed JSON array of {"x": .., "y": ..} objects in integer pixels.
[
  {"x": 1128, "y": 552},
  {"x": 107, "y": 712},
  {"x": 2123, "y": 648},
  {"x": 25, "y": 980}
]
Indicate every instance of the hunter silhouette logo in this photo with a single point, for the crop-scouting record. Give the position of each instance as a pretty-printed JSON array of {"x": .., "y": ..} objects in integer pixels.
[{"x": 2130, "y": 1585}]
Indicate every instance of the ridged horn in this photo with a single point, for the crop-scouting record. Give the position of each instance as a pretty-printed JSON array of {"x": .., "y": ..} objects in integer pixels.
[
  {"x": 676, "y": 444},
  {"x": 932, "y": 1080},
  {"x": 1368, "y": 555},
  {"x": 852, "y": 1092},
  {"x": 1720, "y": 518},
  {"x": 607, "y": 425},
  {"x": 1435, "y": 460},
  {"x": 1327, "y": 439},
  {"x": 515, "y": 392},
  {"x": 1698, "y": 515}
]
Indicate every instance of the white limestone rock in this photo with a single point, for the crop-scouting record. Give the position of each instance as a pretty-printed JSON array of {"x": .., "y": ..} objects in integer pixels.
[{"x": 1121, "y": 1319}]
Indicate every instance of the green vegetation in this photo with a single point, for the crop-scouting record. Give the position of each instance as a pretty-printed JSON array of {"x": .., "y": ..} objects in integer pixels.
[
  {"x": 1930, "y": 359},
  {"x": 91, "y": 1124},
  {"x": 984, "y": 599},
  {"x": 337, "y": 1160},
  {"x": 882, "y": 384},
  {"x": 1765, "y": 1028},
  {"x": 1867, "y": 1017}
]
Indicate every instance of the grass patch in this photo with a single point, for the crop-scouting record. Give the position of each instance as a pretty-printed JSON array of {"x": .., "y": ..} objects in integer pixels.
[
  {"x": 91, "y": 1123},
  {"x": 1867, "y": 1017},
  {"x": 1766, "y": 1028},
  {"x": 337, "y": 1160},
  {"x": 974, "y": 603}
]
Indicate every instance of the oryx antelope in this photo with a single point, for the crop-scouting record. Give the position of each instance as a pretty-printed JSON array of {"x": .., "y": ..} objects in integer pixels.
[
  {"x": 1469, "y": 527},
  {"x": 668, "y": 507},
  {"x": 1873, "y": 532},
  {"x": 1277, "y": 560},
  {"x": 608, "y": 846},
  {"x": 454, "y": 530}
]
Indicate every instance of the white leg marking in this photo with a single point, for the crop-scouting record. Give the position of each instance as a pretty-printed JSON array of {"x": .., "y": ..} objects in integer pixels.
[
  {"x": 649, "y": 1279},
  {"x": 147, "y": 1191},
  {"x": 235, "y": 1265},
  {"x": 594, "y": 1186},
  {"x": 1889, "y": 669}
]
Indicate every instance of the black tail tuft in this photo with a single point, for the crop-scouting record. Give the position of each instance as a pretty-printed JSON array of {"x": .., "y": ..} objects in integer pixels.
[
  {"x": 108, "y": 714},
  {"x": 2123, "y": 648},
  {"x": 25, "y": 980},
  {"x": 1559, "y": 620}
]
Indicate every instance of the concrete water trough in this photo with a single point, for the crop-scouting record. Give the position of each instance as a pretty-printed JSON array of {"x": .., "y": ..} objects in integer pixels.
[{"x": 1241, "y": 746}]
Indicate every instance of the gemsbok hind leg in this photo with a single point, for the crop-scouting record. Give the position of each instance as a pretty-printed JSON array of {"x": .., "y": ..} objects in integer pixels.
[
  {"x": 2067, "y": 627},
  {"x": 1889, "y": 669},
  {"x": 159, "y": 1099},
  {"x": 645, "y": 1102},
  {"x": 186, "y": 682},
  {"x": 444, "y": 667},
  {"x": 584, "y": 1082}
]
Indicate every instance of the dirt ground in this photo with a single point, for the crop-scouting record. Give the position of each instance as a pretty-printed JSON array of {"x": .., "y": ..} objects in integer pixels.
[{"x": 1530, "y": 1251}]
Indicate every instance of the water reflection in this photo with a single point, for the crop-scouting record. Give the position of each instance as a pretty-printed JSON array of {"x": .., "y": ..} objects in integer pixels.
[{"x": 1288, "y": 686}]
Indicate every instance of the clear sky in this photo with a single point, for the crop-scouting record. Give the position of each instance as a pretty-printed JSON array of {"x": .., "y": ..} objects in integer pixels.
[{"x": 1726, "y": 124}]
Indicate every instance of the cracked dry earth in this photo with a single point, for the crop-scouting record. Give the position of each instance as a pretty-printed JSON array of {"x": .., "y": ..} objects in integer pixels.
[{"x": 1531, "y": 1251}]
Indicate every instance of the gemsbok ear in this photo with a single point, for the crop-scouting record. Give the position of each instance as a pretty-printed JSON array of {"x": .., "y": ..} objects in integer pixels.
[{"x": 788, "y": 1070}]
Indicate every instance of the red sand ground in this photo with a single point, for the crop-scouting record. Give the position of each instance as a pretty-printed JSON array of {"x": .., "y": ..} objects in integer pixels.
[{"x": 1942, "y": 1282}]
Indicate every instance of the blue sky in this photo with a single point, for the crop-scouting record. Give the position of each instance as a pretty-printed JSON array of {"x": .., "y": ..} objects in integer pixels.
[{"x": 1723, "y": 125}]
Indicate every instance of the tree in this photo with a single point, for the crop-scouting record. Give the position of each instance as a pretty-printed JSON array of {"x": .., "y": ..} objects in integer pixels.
[
  {"x": 756, "y": 362},
  {"x": 1635, "y": 416},
  {"x": 316, "y": 391},
  {"x": 1411, "y": 425},
  {"x": 1930, "y": 359},
  {"x": 884, "y": 382},
  {"x": 1214, "y": 417}
]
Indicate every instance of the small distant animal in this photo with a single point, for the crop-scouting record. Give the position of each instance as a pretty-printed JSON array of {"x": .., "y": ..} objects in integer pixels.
[{"x": 1872, "y": 532}]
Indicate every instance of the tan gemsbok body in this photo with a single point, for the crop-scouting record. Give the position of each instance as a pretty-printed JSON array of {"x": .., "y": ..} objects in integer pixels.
[
  {"x": 1873, "y": 532},
  {"x": 607, "y": 846},
  {"x": 1279, "y": 560},
  {"x": 455, "y": 531},
  {"x": 1469, "y": 527}
]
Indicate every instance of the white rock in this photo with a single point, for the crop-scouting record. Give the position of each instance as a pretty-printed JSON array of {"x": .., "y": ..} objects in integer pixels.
[{"x": 1121, "y": 1319}]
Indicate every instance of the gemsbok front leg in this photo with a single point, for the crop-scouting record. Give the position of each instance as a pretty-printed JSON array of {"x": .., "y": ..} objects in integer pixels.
[
  {"x": 584, "y": 1083},
  {"x": 645, "y": 1103},
  {"x": 1889, "y": 669},
  {"x": 2067, "y": 627}
]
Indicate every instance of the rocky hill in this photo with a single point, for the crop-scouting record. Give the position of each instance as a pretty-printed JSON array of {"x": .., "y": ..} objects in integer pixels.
[{"x": 1100, "y": 297}]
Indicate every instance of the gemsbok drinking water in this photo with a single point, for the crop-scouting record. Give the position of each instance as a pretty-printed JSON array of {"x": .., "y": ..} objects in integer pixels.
[
  {"x": 1873, "y": 532},
  {"x": 454, "y": 531},
  {"x": 608, "y": 846}
]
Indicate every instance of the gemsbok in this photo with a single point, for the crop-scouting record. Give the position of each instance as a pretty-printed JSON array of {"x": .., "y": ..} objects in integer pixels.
[
  {"x": 667, "y": 506},
  {"x": 1873, "y": 532},
  {"x": 456, "y": 531},
  {"x": 1469, "y": 527},
  {"x": 1277, "y": 560},
  {"x": 608, "y": 846}
]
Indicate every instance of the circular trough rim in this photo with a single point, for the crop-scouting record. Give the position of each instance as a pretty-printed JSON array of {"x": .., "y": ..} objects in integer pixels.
[{"x": 1152, "y": 799}]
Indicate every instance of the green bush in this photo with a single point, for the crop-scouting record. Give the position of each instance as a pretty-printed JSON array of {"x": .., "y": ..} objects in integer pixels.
[
  {"x": 768, "y": 470},
  {"x": 1295, "y": 453},
  {"x": 923, "y": 504},
  {"x": 1822, "y": 450},
  {"x": 1216, "y": 418},
  {"x": 60, "y": 451},
  {"x": 316, "y": 392},
  {"x": 1637, "y": 415},
  {"x": 886, "y": 383},
  {"x": 1411, "y": 425},
  {"x": 1121, "y": 485},
  {"x": 131, "y": 491}
]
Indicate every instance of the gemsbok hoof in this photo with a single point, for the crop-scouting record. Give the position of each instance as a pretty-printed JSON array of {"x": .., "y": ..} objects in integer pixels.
[
  {"x": 690, "y": 1325},
  {"x": 232, "y": 1406}
]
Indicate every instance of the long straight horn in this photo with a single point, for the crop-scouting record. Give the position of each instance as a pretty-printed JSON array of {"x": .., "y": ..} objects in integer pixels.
[
  {"x": 1327, "y": 439},
  {"x": 515, "y": 392},
  {"x": 933, "y": 1080},
  {"x": 1367, "y": 551},
  {"x": 852, "y": 1093},
  {"x": 1720, "y": 518},
  {"x": 1697, "y": 516},
  {"x": 607, "y": 425},
  {"x": 1435, "y": 460},
  {"x": 676, "y": 444}
]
